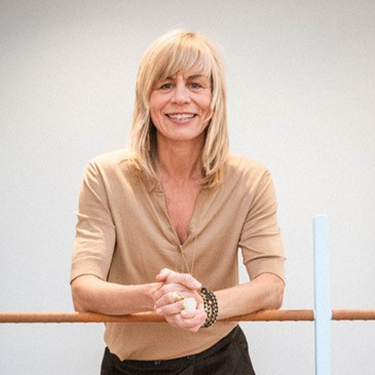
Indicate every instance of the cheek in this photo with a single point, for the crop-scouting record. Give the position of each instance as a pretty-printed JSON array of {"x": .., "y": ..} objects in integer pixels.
[
  {"x": 155, "y": 114},
  {"x": 155, "y": 103},
  {"x": 206, "y": 103},
  {"x": 207, "y": 108}
]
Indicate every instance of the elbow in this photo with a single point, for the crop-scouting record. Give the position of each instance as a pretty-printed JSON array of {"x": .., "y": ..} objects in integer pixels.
[
  {"x": 272, "y": 295},
  {"x": 78, "y": 297},
  {"x": 278, "y": 303},
  {"x": 278, "y": 295},
  {"x": 78, "y": 307},
  {"x": 77, "y": 303}
]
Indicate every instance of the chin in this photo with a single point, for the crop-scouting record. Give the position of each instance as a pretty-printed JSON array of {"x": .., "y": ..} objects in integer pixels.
[{"x": 186, "y": 137}]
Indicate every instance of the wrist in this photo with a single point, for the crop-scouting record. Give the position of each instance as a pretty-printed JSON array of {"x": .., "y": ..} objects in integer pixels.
[
  {"x": 211, "y": 307},
  {"x": 149, "y": 295}
]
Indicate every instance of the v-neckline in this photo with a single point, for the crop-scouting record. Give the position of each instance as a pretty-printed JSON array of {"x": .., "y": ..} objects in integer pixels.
[{"x": 192, "y": 221}]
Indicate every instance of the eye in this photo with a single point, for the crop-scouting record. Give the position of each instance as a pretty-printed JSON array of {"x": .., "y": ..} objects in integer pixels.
[
  {"x": 195, "y": 86},
  {"x": 166, "y": 87}
]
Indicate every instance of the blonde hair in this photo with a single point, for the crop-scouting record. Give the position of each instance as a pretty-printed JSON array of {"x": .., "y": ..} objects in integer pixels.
[{"x": 178, "y": 52}]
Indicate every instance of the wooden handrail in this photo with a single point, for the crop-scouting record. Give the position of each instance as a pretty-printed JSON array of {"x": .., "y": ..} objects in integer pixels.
[
  {"x": 148, "y": 317},
  {"x": 353, "y": 314}
]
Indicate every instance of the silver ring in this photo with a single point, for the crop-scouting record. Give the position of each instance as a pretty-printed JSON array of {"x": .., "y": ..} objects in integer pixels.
[{"x": 190, "y": 304}]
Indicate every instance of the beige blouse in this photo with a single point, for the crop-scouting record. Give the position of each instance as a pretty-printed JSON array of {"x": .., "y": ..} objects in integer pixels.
[{"x": 124, "y": 235}]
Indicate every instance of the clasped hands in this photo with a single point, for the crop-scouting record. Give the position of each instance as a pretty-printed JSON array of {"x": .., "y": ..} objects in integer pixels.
[{"x": 165, "y": 302}]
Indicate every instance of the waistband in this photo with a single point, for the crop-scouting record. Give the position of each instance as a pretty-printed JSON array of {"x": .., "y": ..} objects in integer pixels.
[{"x": 181, "y": 361}]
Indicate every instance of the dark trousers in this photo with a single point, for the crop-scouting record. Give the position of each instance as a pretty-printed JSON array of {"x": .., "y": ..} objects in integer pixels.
[{"x": 229, "y": 356}]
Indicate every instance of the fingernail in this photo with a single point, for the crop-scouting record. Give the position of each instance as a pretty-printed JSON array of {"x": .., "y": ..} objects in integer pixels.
[{"x": 158, "y": 311}]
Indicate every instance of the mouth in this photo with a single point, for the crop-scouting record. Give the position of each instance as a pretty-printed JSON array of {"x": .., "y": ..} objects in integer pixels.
[{"x": 181, "y": 116}]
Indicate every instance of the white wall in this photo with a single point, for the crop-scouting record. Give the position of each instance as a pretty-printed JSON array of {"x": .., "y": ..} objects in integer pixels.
[{"x": 301, "y": 86}]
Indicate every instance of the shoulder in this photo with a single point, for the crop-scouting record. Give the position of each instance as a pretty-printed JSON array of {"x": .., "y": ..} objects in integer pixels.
[
  {"x": 241, "y": 167},
  {"x": 111, "y": 159},
  {"x": 113, "y": 168},
  {"x": 112, "y": 162},
  {"x": 244, "y": 177},
  {"x": 247, "y": 179}
]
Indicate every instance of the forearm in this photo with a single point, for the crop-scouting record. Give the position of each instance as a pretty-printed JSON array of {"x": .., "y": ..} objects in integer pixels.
[
  {"x": 93, "y": 294},
  {"x": 263, "y": 293}
]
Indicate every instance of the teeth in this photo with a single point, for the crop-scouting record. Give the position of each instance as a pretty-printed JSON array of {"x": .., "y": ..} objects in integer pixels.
[{"x": 181, "y": 116}]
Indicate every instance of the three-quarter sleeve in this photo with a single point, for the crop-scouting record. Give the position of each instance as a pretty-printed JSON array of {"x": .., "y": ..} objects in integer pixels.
[
  {"x": 260, "y": 240},
  {"x": 95, "y": 231}
]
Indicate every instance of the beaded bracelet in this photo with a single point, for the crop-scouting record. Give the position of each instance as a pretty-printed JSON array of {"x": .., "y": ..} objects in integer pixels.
[{"x": 210, "y": 307}]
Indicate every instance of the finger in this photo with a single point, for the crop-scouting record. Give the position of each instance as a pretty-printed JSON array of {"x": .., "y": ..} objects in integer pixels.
[
  {"x": 164, "y": 301},
  {"x": 171, "y": 309},
  {"x": 192, "y": 324},
  {"x": 184, "y": 279},
  {"x": 189, "y": 314},
  {"x": 169, "y": 276},
  {"x": 170, "y": 288},
  {"x": 169, "y": 298}
]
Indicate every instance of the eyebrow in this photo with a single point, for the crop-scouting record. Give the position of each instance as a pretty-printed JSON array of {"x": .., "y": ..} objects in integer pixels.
[
  {"x": 190, "y": 77},
  {"x": 197, "y": 76}
]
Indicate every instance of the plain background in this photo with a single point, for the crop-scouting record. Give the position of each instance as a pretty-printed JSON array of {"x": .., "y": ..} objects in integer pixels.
[{"x": 301, "y": 89}]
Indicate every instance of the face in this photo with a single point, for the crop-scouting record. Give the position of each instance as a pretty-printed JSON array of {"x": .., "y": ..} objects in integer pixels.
[{"x": 180, "y": 107}]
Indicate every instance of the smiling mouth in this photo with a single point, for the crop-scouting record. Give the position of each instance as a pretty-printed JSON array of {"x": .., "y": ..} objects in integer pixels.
[{"x": 182, "y": 116}]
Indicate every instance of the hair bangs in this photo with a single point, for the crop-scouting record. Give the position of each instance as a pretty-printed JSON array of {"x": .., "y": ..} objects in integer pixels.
[{"x": 186, "y": 56}]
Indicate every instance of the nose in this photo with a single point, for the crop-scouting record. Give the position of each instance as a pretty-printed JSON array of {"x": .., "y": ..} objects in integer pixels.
[{"x": 180, "y": 94}]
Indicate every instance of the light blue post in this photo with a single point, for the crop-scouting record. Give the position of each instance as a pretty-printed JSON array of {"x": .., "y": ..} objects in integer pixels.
[{"x": 322, "y": 308}]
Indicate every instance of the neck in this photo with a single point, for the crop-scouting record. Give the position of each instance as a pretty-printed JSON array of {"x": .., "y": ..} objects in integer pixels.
[{"x": 180, "y": 161}]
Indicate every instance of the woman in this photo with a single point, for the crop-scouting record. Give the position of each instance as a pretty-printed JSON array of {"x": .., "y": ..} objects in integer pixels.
[{"x": 158, "y": 223}]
